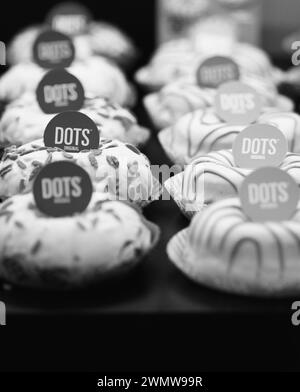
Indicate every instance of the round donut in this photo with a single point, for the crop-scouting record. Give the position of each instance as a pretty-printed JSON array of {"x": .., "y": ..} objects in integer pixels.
[
  {"x": 224, "y": 250},
  {"x": 181, "y": 58},
  {"x": 117, "y": 169},
  {"x": 20, "y": 48},
  {"x": 185, "y": 96},
  {"x": 23, "y": 121},
  {"x": 214, "y": 177},
  {"x": 98, "y": 76},
  {"x": 202, "y": 131},
  {"x": 102, "y": 39},
  {"x": 38, "y": 251}
]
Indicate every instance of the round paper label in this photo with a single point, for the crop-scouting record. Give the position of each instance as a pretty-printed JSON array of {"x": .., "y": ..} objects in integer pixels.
[
  {"x": 59, "y": 91},
  {"x": 237, "y": 104},
  {"x": 269, "y": 194},
  {"x": 70, "y": 18},
  {"x": 52, "y": 49},
  {"x": 217, "y": 70},
  {"x": 259, "y": 146},
  {"x": 62, "y": 189},
  {"x": 72, "y": 132}
]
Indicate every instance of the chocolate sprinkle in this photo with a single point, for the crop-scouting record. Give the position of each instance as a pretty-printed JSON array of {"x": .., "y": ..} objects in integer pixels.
[
  {"x": 93, "y": 160},
  {"x": 97, "y": 152},
  {"x": 98, "y": 206},
  {"x": 19, "y": 225},
  {"x": 81, "y": 226},
  {"x": 37, "y": 163},
  {"x": 13, "y": 157},
  {"x": 36, "y": 247},
  {"x": 34, "y": 173},
  {"x": 95, "y": 221},
  {"x": 22, "y": 185},
  {"x": 134, "y": 149},
  {"x": 21, "y": 165},
  {"x": 112, "y": 161},
  {"x": 26, "y": 152},
  {"x": 5, "y": 170},
  {"x": 67, "y": 155}
]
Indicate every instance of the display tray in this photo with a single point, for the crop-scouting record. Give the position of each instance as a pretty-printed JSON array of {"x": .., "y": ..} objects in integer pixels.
[{"x": 154, "y": 286}]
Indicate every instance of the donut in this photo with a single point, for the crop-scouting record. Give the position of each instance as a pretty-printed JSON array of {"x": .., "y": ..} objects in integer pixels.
[
  {"x": 39, "y": 251},
  {"x": 215, "y": 176},
  {"x": 181, "y": 58},
  {"x": 117, "y": 169},
  {"x": 23, "y": 121},
  {"x": 224, "y": 250},
  {"x": 202, "y": 131},
  {"x": 101, "y": 39},
  {"x": 20, "y": 48},
  {"x": 97, "y": 75},
  {"x": 184, "y": 96}
]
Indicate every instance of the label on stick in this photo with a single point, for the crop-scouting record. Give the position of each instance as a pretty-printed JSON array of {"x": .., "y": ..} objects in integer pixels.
[
  {"x": 258, "y": 146},
  {"x": 62, "y": 189},
  {"x": 269, "y": 194},
  {"x": 237, "y": 103},
  {"x": 72, "y": 132},
  {"x": 52, "y": 49},
  {"x": 217, "y": 70},
  {"x": 70, "y": 18},
  {"x": 60, "y": 91}
]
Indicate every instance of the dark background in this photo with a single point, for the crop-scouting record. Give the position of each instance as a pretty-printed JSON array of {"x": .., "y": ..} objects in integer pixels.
[
  {"x": 135, "y": 17},
  {"x": 199, "y": 341}
]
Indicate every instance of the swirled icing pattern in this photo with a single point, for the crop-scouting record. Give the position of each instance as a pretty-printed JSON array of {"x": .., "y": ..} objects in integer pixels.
[
  {"x": 201, "y": 132},
  {"x": 185, "y": 96},
  {"x": 221, "y": 179},
  {"x": 223, "y": 249}
]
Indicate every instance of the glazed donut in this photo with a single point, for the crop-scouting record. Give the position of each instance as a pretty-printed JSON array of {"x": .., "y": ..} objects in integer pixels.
[
  {"x": 97, "y": 75},
  {"x": 117, "y": 169},
  {"x": 109, "y": 236},
  {"x": 23, "y": 121},
  {"x": 184, "y": 96},
  {"x": 216, "y": 177},
  {"x": 181, "y": 58},
  {"x": 201, "y": 132},
  {"x": 20, "y": 48},
  {"x": 101, "y": 39},
  {"x": 224, "y": 250}
]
